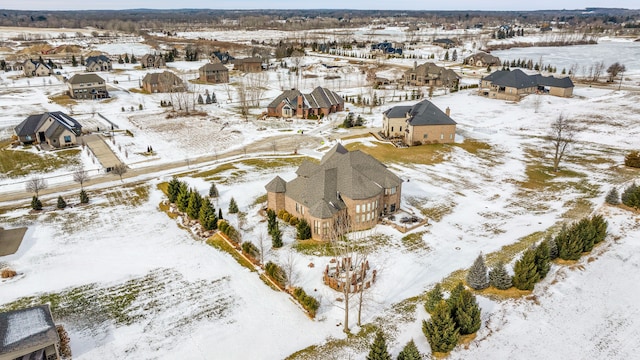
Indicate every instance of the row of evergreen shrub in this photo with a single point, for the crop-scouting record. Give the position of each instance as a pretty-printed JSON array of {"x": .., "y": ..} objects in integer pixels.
[
  {"x": 276, "y": 273},
  {"x": 229, "y": 230},
  {"x": 190, "y": 201},
  {"x": 36, "y": 204},
  {"x": 308, "y": 302}
]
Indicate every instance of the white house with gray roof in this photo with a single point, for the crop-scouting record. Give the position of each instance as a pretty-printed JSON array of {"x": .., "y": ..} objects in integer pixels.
[
  {"x": 422, "y": 123},
  {"x": 55, "y": 129},
  {"x": 28, "y": 334},
  {"x": 344, "y": 183}
]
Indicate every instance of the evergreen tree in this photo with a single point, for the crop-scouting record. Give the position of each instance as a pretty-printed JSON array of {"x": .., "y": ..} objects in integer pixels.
[
  {"x": 126, "y": 58},
  {"x": 525, "y": 271},
  {"x": 213, "y": 98},
  {"x": 133, "y": 59},
  {"x": 84, "y": 198},
  {"x": 36, "y": 204},
  {"x": 220, "y": 214},
  {"x": 233, "y": 207},
  {"x": 182, "y": 200},
  {"x": 74, "y": 62},
  {"x": 553, "y": 248},
  {"x": 82, "y": 60},
  {"x": 276, "y": 237},
  {"x": 466, "y": 313},
  {"x": 613, "y": 197},
  {"x": 569, "y": 244},
  {"x": 631, "y": 196},
  {"x": 213, "y": 191},
  {"x": 454, "y": 56},
  {"x": 542, "y": 258},
  {"x": 446, "y": 56},
  {"x": 120, "y": 61},
  {"x": 200, "y": 100},
  {"x": 454, "y": 295},
  {"x": 378, "y": 350},
  {"x": 587, "y": 233},
  {"x": 410, "y": 352},
  {"x": 600, "y": 226},
  {"x": 173, "y": 189},
  {"x": 440, "y": 330},
  {"x": 208, "y": 99},
  {"x": 61, "y": 203},
  {"x": 477, "y": 276},
  {"x": 194, "y": 204},
  {"x": 434, "y": 297},
  {"x": 499, "y": 278},
  {"x": 207, "y": 216},
  {"x": 303, "y": 230}
]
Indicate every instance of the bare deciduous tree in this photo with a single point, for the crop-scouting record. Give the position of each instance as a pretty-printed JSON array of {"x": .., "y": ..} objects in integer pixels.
[
  {"x": 35, "y": 185},
  {"x": 80, "y": 175},
  {"x": 119, "y": 169},
  {"x": 561, "y": 136},
  {"x": 614, "y": 70},
  {"x": 261, "y": 240},
  {"x": 289, "y": 267}
]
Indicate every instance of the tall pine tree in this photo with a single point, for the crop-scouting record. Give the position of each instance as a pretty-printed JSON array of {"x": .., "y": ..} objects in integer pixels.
[
  {"x": 466, "y": 313},
  {"x": 441, "y": 330},
  {"x": 276, "y": 237},
  {"x": 542, "y": 259},
  {"x": 477, "y": 277},
  {"x": 233, "y": 207},
  {"x": 194, "y": 204},
  {"x": 434, "y": 297},
  {"x": 303, "y": 230},
  {"x": 378, "y": 350},
  {"x": 525, "y": 271}
]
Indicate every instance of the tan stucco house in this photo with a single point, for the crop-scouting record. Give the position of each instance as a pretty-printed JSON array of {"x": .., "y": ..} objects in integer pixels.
[
  {"x": 482, "y": 59},
  {"x": 28, "y": 334},
  {"x": 35, "y": 68},
  {"x": 55, "y": 129},
  {"x": 422, "y": 123},
  {"x": 292, "y": 103},
  {"x": 87, "y": 86},
  {"x": 151, "y": 61},
  {"x": 512, "y": 85},
  {"x": 430, "y": 74},
  {"x": 250, "y": 64},
  {"x": 345, "y": 184}
]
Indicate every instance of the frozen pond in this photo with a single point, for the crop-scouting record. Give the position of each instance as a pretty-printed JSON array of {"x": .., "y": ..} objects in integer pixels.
[{"x": 625, "y": 52}]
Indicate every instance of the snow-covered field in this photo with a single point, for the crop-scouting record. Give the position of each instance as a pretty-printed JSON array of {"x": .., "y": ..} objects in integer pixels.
[{"x": 137, "y": 285}]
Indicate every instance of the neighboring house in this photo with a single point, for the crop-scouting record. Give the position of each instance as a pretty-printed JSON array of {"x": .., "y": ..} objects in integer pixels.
[
  {"x": 223, "y": 57},
  {"x": 387, "y": 48},
  {"x": 56, "y": 129},
  {"x": 35, "y": 68},
  {"x": 151, "y": 61},
  {"x": 98, "y": 63},
  {"x": 28, "y": 334},
  {"x": 444, "y": 43},
  {"x": 250, "y": 64},
  {"x": 513, "y": 85},
  {"x": 214, "y": 73},
  {"x": 319, "y": 103},
  {"x": 422, "y": 123},
  {"x": 345, "y": 184},
  {"x": 165, "y": 81},
  {"x": 18, "y": 66},
  {"x": 430, "y": 74},
  {"x": 482, "y": 59},
  {"x": 87, "y": 86}
]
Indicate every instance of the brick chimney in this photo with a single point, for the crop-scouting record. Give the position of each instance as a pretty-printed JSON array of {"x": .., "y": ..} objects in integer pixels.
[
  {"x": 300, "y": 109},
  {"x": 447, "y": 111}
]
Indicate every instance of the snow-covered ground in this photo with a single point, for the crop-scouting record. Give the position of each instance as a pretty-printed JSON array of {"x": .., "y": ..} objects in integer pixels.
[{"x": 154, "y": 291}]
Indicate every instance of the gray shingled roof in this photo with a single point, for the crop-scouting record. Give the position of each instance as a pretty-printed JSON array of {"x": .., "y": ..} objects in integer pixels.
[
  {"x": 33, "y": 122},
  {"x": 214, "y": 67},
  {"x": 564, "y": 82},
  {"x": 96, "y": 58},
  {"x": 288, "y": 95},
  {"x": 425, "y": 113},
  {"x": 26, "y": 328},
  {"x": 319, "y": 98},
  {"x": 277, "y": 185},
  {"x": 154, "y": 78},
  {"x": 397, "y": 112},
  {"x": 85, "y": 78},
  {"x": 353, "y": 174},
  {"x": 514, "y": 78}
]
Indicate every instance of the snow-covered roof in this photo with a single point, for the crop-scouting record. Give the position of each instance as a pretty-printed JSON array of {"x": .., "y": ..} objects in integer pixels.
[{"x": 27, "y": 328}]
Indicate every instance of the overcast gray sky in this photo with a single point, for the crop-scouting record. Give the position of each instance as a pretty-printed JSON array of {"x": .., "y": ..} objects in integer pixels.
[{"x": 326, "y": 4}]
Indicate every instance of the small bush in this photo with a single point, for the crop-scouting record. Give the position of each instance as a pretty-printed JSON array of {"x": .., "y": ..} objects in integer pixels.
[
  {"x": 61, "y": 203},
  {"x": 286, "y": 217},
  {"x": 293, "y": 221},
  {"x": 632, "y": 159},
  {"x": 613, "y": 197},
  {"x": 631, "y": 196},
  {"x": 7, "y": 273},
  {"x": 249, "y": 249},
  {"x": 308, "y": 302},
  {"x": 276, "y": 273}
]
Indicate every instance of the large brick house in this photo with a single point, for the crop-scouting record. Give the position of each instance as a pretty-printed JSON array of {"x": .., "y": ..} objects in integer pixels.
[
  {"x": 87, "y": 86},
  {"x": 422, "y": 123},
  {"x": 250, "y": 64},
  {"x": 292, "y": 103},
  {"x": 151, "y": 61},
  {"x": 512, "y": 85},
  {"x": 215, "y": 73},
  {"x": 430, "y": 74},
  {"x": 98, "y": 63},
  {"x": 345, "y": 184},
  {"x": 165, "y": 81},
  {"x": 56, "y": 129},
  {"x": 28, "y": 334}
]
